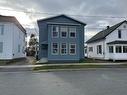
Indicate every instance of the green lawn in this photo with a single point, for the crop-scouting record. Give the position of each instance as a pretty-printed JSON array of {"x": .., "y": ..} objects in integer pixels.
[
  {"x": 90, "y": 60},
  {"x": 3, "y": 62},
  {"x": 77, "y": 66}
]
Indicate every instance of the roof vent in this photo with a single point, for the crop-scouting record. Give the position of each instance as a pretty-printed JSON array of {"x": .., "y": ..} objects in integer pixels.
[{"x": 108, "y": 27}]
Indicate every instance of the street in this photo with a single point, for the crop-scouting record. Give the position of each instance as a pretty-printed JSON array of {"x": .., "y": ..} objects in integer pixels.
[{"x": 88, "y": 82}]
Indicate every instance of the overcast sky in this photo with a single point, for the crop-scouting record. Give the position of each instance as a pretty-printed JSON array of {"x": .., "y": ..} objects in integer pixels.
[{"x": 97, "y": 14}]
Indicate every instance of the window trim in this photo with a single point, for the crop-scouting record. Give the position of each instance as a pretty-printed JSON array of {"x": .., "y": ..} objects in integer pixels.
[
  {"x": 109, "y": 49},
  {"x": 2, "y": 47},
  {"x": 98, "y": 52},
  {"x": 64, "y": 48},
  {"x": 90, "y": 49},
  {"x": 52, "y": 49},
  {"x": 53, "y": 31},
  {"x": 64, "y": 31},
  {"x": 2, "y": 30},
  {"x": 118, "y": 46},
  {"x": 19, "y": 48},
  {"x": 119, "y": 33},
  {"x": 72, "y": 31},
  {"x": 70, "y": 48},
  {"x": 123, "y": 49}
]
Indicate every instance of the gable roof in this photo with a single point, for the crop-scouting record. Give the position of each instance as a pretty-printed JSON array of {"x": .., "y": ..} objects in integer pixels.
[
  {"x": 102, "y": 34},
  {"x": 12, "y": 19},
  {"x": 62, "y": 15}
]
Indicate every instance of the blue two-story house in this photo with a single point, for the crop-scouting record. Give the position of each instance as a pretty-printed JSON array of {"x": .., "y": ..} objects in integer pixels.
[{"x": 61, "y": 39}]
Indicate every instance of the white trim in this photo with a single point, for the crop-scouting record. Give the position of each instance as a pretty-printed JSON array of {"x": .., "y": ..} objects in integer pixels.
[
  {"x": 61, "y": 49},
  {"x": 56, "y": 31},
  {"x": 63, "y": 31},
  {"x": 72, "y": 31},
  {"x": 63, "y": 23},
  {"x": 70, "y": 48},
  {"x": 52, "y": 49}
]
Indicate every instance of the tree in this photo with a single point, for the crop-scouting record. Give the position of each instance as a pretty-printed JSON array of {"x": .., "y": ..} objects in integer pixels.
[{"x": 32, "y": 45}]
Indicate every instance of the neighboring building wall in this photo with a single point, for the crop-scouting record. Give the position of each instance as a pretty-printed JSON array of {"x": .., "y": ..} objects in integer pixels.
[
  {"x": 93, "y": 54},
  {"x": 11, "y": 38},
  {"x": 6, "y": 39},
  {"x": 45, "y": 36},
  {"x": 111, "y": 37},
  {"x": 63, "y": 40},
  {"x": 18, "y": 42},
  {"x": 114, "y": 35}
]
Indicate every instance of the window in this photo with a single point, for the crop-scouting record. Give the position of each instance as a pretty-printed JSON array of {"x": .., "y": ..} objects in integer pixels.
[
  {"x": 119, "y": 33},
  {"x": 19, "y": 48},
  {"x": 90, "y": 49},
  {"x": 124, "y": 26},
  {"x": 124, "y": 49},
  {"x": 55, "y": 49},
  {"x": 63, "y": 31},
  {"x": 72, "y": 32},
  {"x": 118, "y": 49},
  {"x": 55, "y": 31},
  {"x": 1, "y": 29},
  {"x": 99, "y": 49},
  {"x": 110, "y": 49},
  {"x": 72, "y": 49},
  {"x": 1, "y": 47},
  {"x": 63, "y": 49}
]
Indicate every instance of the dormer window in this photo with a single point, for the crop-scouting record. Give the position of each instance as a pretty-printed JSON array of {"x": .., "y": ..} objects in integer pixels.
[{"x": 119, "y": 34}]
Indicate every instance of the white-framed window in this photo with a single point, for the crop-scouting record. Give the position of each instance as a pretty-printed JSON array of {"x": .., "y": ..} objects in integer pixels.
[
  {"x": 90, "y": 49},
  {"x": 63, "y": 31},
  {"x": 72, "y": 32},
  {"x": 72, "y": 49},
  {"x": 118, "y": 49},
  {"x": 111, "y": 50},
  {"x": 99, "y": 49},
  {"x": 1, "y": 47},
  {"x": 1, "y": 29},
  {"x": 55, "y": 31},
  {"x": 55, "y": 48},
  {"x": 63, "y": 48},
  {"x": 124, "y": 49}
]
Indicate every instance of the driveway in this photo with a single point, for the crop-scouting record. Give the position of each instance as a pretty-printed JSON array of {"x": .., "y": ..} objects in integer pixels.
[
  {"x": 89, "y": 82},
  {"x": 20, "y": 65},
  {"x": 26, "y": 61}
]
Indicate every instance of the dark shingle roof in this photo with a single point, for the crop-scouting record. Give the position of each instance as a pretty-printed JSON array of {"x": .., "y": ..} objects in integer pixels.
[
  {"x": 62, "y": 15},
  {"x": 118, "y": 42},
  {"x": 101, "y": 35},
  {"x": 12, "y": 19}
]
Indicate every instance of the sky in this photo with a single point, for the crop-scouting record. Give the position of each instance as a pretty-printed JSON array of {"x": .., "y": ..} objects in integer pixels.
[{"x": 97, "y": 14}]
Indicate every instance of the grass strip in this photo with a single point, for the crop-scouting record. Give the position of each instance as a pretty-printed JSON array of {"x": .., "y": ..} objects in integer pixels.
[{"x": 46, "y": 67}]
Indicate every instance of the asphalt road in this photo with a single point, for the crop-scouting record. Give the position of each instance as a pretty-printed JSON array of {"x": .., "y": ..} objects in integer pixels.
[{"x": 87, "y": 82}]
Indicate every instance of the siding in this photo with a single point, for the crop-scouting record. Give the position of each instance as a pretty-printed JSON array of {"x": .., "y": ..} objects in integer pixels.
[{"x": 45, "y": 35}]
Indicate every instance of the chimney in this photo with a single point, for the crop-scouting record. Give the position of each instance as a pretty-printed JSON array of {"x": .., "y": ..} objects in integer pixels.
[{"x": 108, "y": 27}]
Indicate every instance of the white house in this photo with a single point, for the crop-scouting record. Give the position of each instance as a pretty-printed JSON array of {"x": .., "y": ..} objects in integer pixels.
[
  {"x": 12, "y": 38},
  {"x": 110, "y": 43}
]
